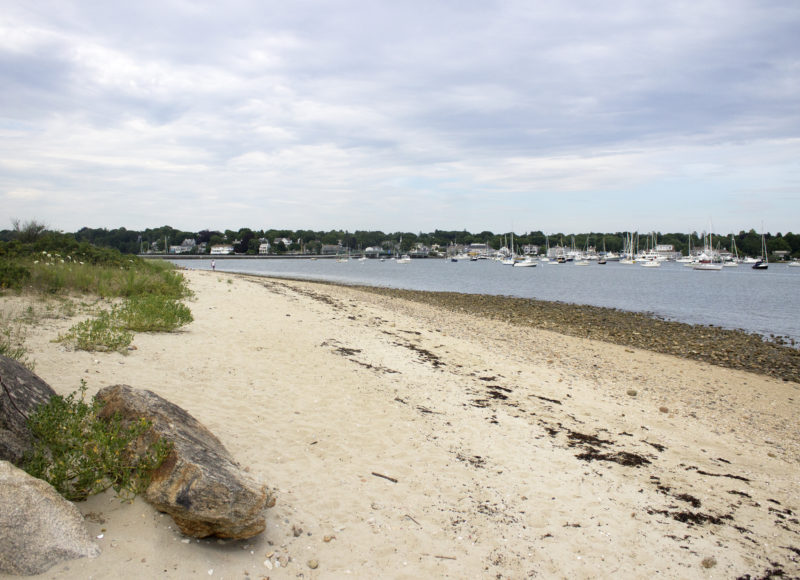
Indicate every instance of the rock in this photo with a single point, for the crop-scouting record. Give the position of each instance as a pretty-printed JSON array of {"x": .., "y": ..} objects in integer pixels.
[
  {"x": 663, "y": 409},
  {"x": 198, "y": 484},
  {"x": 709, "y": 562},
  {"x": 21, "y": 392},
  {"x": 38, "y": 527},
  {"x": 632, "y": 392}
]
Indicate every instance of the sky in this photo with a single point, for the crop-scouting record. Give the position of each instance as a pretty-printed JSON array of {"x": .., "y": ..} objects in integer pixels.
[{"x": 523, "y": 115}]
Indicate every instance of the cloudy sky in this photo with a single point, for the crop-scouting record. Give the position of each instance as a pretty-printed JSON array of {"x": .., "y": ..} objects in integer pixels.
[{"x": 401, "y": 116}]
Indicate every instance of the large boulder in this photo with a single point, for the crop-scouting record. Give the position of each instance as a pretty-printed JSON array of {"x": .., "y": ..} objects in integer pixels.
[
  {"x": 21, "y": 392},
  {"x": 38, "y": 527},
  {"x": 199, "y": 484}
]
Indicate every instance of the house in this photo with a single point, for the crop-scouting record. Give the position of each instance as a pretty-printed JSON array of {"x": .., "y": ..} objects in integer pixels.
[
  {"x": 187, "y": 246},
  {"x": 330, "y": 249},
  {"x": 221, "y": 249},
  {"x": 263, "y": 248}
]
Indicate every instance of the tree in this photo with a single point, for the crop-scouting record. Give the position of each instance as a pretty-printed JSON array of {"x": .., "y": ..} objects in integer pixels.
[{"x": 29, "y": 231}]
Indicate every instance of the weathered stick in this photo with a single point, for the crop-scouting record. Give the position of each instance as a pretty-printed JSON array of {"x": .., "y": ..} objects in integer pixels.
[{"x": 392, "y": 479}]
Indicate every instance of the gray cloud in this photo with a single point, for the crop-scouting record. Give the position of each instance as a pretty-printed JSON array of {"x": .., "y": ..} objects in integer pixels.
[{"x": 303, "y": 114}]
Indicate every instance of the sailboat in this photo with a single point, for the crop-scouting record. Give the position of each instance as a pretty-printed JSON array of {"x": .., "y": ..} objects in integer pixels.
[
  {"x": 509, "y": 261},
  {"x": 546, "y": 257},
  {"x": 763, "y": 262},
  {"x": 706, "y": 260},
  {"x": 628, "y": 251},
  {"x": 733, "y": 262}
]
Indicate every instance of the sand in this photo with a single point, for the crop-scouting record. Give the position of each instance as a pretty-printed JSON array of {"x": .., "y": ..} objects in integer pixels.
[{"x": 402, "y": 441}]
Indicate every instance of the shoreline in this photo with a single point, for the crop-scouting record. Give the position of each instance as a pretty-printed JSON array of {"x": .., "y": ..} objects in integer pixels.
[
  {"x": 405, "y": 440},
  {"x": 728, "y": 348}
]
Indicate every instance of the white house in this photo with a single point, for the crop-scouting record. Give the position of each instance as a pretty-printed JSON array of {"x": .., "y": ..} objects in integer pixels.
[{"x": 263, "y": 248}]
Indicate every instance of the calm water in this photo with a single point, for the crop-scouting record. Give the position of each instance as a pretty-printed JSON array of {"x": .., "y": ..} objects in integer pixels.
[{"x": 765, "y": 302}]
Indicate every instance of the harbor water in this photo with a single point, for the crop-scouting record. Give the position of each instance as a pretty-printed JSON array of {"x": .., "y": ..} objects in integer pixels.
[{"x": 764, "y": 302}]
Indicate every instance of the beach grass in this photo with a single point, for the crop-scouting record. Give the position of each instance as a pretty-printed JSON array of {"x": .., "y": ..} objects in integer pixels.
[{"x": 151, "y": 291}]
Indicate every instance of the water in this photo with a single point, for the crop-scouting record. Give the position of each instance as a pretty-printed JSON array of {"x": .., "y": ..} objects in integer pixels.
[{"x": 763, "y": 302}]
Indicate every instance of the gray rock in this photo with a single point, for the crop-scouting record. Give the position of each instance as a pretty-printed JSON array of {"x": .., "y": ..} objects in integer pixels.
[
  {"x": 38, "y": 527},
  {"x": 199, "y": 484},
  {"x": 21, "y": 392}
]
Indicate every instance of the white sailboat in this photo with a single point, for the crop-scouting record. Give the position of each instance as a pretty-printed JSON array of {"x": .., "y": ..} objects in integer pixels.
[
  {"x": 546, "y": 257},
  {"x": 509, "y": 260},
  {"x": 706, "y": 260},
  {"x": 734, "y": 261},
  {"x": 528, "y": 262},
  {"x": 628, "y": 252}
]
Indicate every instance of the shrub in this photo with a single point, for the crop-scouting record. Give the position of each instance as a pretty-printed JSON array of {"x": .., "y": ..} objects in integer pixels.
[
  {"x": 102, "y": 333},
  {"x": 12, "y": 275},
  {"x": 153, "y": 313},
  {"x": 12, "y": 343},
  {"x": 80, "y": 454}
]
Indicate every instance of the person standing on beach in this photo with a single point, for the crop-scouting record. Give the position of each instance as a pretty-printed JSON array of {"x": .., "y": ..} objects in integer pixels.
[{"x": 213, "y": 265}]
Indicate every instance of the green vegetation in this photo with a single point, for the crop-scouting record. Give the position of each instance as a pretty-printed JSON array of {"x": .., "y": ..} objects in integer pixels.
[
  {"x": 101, "y": 333},
  {"x": 12, "y": 342},
  {"x": 80, "y": 454},
  {"x": 153, "y": 313},
  {"x": 55, "y": 264}
]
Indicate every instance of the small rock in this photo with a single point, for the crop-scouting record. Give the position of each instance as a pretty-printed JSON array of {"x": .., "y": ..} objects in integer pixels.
[
  {"x": 709, "y": 562},
  {"x": 632, "y": 392},
  {"x": 313, "y": 564},
  {"x": 663, "y": 409},
  {"x": 327, "y": 539}
]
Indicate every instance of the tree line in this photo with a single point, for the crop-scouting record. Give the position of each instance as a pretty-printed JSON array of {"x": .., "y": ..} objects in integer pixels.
[{"x": 247, "y": 241}]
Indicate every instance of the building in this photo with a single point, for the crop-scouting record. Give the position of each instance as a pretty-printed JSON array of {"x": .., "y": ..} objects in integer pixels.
[
  {"x": 263, "y": 248},
  {"x": 330, "y": 249},
  {"x": 187, "y": 246}
]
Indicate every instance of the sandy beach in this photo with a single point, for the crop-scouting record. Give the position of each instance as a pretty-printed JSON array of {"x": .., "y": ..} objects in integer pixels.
[{"x": 401, "y": 440}]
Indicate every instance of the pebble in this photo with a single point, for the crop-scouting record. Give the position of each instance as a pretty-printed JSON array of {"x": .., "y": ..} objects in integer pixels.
[
  {"x": 663, "y": 409},
  {"x": 313, "y": 564},
  {"x": 632, "y": 392}
]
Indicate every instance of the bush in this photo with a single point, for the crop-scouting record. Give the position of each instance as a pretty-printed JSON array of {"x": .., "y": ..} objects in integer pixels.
[
  {"x": 12, "y": 275},
  {"x": 153, "y": 313},
  {"x": 80, "y": 454},
  {"x": 103, "y": 333},
  {"x": 12, "y": 344}
]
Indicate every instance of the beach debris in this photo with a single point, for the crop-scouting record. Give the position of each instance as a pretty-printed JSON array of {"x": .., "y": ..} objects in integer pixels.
[
  {"x": 392, "y": 479},
  {"x": 21, "y": 392},
  {"x": 38, "y": 527},
  {"x": 199, "y": 484}
]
